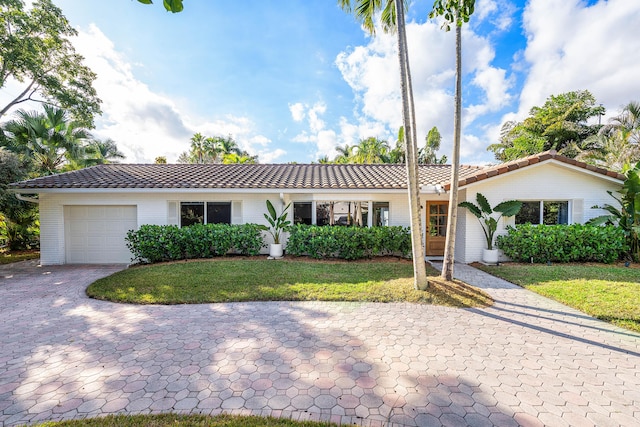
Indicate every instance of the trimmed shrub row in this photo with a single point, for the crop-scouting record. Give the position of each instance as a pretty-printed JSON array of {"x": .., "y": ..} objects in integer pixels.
[
  {"x": 563, "y": 243},
  {"x": 157, "y": 243},
  {"x": 348, "y": 242}
]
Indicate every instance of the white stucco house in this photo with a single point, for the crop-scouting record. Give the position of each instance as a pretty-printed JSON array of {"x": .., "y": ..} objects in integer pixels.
[{"x": 85, "y": 214}]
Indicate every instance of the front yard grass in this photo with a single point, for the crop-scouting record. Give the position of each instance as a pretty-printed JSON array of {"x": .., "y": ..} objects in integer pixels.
[
  {"x": 258, "y": 279},
  {"x": 174, "y": 420},
  {"x": 607, "y": 292}
]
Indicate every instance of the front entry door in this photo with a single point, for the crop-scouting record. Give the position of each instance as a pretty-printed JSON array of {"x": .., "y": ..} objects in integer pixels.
[{"x": 436, "y": 228}]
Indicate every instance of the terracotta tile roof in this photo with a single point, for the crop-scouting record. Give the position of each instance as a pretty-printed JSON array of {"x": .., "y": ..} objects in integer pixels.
[
  {"x": 273, "y": 176},
  {"x": 502, "y": 168}
]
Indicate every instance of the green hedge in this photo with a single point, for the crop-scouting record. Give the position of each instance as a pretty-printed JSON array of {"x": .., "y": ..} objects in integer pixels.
[
  {"x": 348, "y": 242},
  {"x": 157, "y": 243},
  {"x": 563, "y": 243}
]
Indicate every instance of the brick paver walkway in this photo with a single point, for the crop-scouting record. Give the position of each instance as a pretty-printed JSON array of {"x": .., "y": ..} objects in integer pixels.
[{"x": 526, "y": 361}]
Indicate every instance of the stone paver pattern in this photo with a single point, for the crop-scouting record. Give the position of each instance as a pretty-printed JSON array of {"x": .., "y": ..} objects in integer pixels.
[{"x": 525, "y": 361}]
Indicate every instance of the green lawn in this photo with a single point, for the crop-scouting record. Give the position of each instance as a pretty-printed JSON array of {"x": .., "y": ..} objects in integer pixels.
[
  {"x": 258, "y": 279},
  {"x": 173, "y": 420},
  {"x": 7, "y": 257},
  {"x": 607, "y": 292}
]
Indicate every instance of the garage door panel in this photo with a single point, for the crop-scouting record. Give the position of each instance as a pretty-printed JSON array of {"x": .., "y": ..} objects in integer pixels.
[{"x": 96, "y": 234}]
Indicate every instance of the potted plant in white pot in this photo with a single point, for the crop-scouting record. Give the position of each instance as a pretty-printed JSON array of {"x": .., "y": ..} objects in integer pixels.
[
  {"x": 278, "y": 224},
  {"x": 483, "y": 212}
]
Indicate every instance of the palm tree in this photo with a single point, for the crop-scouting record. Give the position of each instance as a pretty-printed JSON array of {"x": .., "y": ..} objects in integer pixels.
[
  {"x": 427, "y": 155},
  {"x": 392, "y": 19},
  {"x": 198, "y": 148},
  {"x": 344, "y": 154},
  {"x": 371, "y": 150},
  {"x": 244, "y": 157},
  {"x": 227, "y": 145},
  {"x": 49, "y": 139},
  {"x": 617, "y": 144},
  {"x": 454, "y": 11},
  {"x": 99, "y": 152},
  {"x": 397, "y": 155},
  {"x": 627, "y": 123}
]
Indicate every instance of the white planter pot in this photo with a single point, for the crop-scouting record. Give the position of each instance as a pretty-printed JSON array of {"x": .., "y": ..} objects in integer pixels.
[
  {"x": 275, "y": 250},
  {"x": 490, "y": 256}
]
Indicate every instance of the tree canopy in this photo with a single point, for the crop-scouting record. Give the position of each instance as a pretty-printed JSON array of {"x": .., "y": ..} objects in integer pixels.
[
  {"x": 171, "y": 5},
  {"x": 35, "y": 51},
  {"x": 215, "y": 149},
  {"x": 559, "y": 124}
]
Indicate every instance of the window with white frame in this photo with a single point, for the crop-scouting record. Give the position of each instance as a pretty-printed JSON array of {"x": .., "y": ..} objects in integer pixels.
[
  {"x": 341, "y": 213},
  {"x": 548, "y": 212}
]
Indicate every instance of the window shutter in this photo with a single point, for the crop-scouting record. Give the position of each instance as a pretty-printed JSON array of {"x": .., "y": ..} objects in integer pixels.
[
  {"x": 236, "y": 212},
  {"x": 577, "y": 211},
  {"x": 173, "y": 217}
]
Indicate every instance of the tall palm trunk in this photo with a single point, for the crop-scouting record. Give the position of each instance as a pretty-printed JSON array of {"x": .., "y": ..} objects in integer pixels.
[
  {"x": 408, "y": 113},
  {"x": 452, "y": 218}
]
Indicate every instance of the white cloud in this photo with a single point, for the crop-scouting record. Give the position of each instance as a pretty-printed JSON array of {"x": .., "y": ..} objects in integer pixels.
[
  {"x": 146, "y": 124},
  {"x": 572, "y": 46},
  {"x": 297, "y": 111},
  {"x": 372, "y": 73},
  {"x": 499, "y": 13}
]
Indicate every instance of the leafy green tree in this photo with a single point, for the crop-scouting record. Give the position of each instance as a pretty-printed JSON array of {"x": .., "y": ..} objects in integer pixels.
[
  {"x": 230, "y": 158},
  {"x": 397, "y": 155},
  {"x": 50, "y": 139},
  {"x": 227, "y": 145},
  {"x": 626, "y": 124},
  {"x": 17, "y": 218},
  {"x": 454, "y": 12},
  {"x": 99, "y": 152},
  {"x": 35, "y": 51},
  {"x": 215, "y": 149},
  {"x": 371, "y": 150},
  {"x": 160, "y": 160},
  {"x": 199, "y": 150},
  {"x": 170, "y": 5},
  {"x": 560, "y": 124},
  {"x": 344, "y": 154},
  {"x": 627, "y": 216},
  {"x": 428, "y": 154}
]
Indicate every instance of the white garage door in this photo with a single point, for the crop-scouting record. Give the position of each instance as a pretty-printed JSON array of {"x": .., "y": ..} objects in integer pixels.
[{"x": 95, "y": 234}]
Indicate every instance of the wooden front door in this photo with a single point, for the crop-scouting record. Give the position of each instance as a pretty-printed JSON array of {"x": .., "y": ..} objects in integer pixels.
[{"x": 436, "y": 227}]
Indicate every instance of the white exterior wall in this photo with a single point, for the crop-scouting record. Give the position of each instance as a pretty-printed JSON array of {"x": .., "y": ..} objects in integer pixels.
[
  {"x": 547, "y": 181},
  {"x": 551, "y": 181},
  {"x": 153, "y": 208}
]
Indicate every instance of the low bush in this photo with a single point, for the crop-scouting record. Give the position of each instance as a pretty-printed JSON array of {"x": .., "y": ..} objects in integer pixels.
[
  {"x": 563, "y": 243},
  {"x": 348, "y": 242},
  {"x": 157, "y": 243}
]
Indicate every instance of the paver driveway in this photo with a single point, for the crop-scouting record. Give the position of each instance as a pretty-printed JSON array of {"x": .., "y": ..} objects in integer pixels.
[{"x": 526, "y": 361}]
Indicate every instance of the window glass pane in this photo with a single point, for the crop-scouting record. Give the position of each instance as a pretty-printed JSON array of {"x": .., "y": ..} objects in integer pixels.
[
  {"x": 342, "y": 213},
  {"x": 556, "y": 213},
  {"x": 530, "y": 213},
  {"x": 191, "y": 213},
  {"x": 380, "y": 214},
  {"x": 219, "y": 213},
  {"x": 325, "y": 213},
  {"x": 364, "y": 213},
  {"x": 302, "y": 213}
]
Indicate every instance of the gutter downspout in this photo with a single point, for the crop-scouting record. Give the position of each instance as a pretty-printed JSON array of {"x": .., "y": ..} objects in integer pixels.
[{"x": 27, "y": 199}]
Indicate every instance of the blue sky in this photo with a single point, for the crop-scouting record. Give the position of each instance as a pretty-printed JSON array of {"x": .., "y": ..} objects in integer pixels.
[{"x": 290, "y": 80}]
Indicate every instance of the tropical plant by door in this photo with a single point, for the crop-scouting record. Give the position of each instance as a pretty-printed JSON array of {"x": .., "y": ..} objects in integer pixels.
[{"x": 484, "y": 212}]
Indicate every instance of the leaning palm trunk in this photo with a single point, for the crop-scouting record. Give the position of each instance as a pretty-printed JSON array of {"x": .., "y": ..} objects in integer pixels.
[
  {"x": 452, "y": 218},
  {"x": 408, "y": 113}
]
